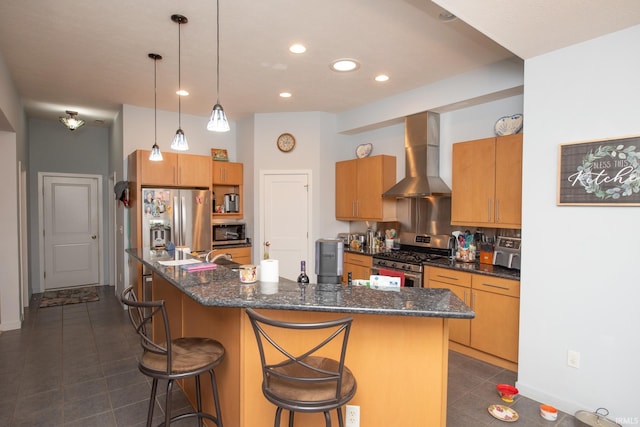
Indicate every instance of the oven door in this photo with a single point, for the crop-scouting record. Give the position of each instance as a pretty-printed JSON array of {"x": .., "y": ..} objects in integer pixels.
[{"x": 411, "y": 279}]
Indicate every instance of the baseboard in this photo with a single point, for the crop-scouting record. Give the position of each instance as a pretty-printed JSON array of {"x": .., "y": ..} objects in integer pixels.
[{"x": 489, "y": 358}]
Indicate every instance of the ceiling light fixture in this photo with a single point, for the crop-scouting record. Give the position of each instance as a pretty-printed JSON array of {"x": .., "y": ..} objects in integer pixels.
[
  {"x": 297, "y": 48},
  {"x": 179, "y": 142},
  {"x": 381, "y": 78},
  {"x": 218, "y": 120},
  {"x": 345, "y": 65},
  {"x": 156, "y": 155},
  {"x": 71, "y": 121},
  {"x": 285, "y": 95}
]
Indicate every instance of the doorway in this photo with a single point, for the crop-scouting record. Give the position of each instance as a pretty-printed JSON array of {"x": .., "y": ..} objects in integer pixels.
[
  {"x": 285, "y": 218},
  {"x": 70, "y": 225}
]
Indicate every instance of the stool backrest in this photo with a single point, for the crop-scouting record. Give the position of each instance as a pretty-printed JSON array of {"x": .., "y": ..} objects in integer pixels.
[
  {"x": 289, "y": 365},
  {"x": 142, "y": 315}
]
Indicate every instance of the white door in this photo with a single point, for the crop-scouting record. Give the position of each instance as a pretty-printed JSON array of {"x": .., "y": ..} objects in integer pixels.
[
  {"x": 71, "y": 231},
  {"x": 286, "y": 221}
]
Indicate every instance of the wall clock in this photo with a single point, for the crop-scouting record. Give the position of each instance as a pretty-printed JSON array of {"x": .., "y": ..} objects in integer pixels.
[{"x": 286, "y": 142}]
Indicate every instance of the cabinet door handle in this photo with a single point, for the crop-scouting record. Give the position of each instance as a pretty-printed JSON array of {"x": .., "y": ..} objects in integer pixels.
[
  {"x": 489, "y": 209},
  {"x": 506, "y": 288},
  {"x": 473, "y": 300},
  {"x": 497, "y": 210},
  {"x": 447, "y": 277},
  {"x": 465, "y": 296}
]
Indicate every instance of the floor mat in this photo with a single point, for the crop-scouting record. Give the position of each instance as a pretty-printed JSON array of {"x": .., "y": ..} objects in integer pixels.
[{"x": 69, "y": 296}]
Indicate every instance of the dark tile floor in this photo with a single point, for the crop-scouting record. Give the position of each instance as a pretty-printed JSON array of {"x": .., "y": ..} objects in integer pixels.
[
  {"x": 75, "y": 365},
  {"x": 472, "y": 389}
]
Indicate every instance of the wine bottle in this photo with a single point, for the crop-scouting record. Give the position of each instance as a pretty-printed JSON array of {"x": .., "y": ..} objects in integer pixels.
[{"x": 303, "y": 279}]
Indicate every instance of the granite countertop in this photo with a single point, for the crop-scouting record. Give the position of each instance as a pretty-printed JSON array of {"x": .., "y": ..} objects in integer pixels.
[
  {"x": 221, "y": 287},
  {"x": 471, "y": 267}
]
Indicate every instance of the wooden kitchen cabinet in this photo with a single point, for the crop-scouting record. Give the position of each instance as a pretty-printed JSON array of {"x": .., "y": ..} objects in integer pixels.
[
  {"x": 359, "y": 187},
  {"x": 227, "y": 173},
  {"x": 175, "y": 170},
  {"x": 460, "y": 284},
  {"x": 495, "y": 330},
  {"x": 487, "y": 182},
  {"x": 227, "y": 177},
  {"x": 239, "y": 255},
  {"x": 493, "y": 334},
  {"x": 359, "y": 266}
]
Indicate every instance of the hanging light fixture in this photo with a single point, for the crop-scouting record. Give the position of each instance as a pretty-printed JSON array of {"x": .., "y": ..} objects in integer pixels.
[
  {"x": 71, "y": 121},
  {"x": 218, "y": 120},
  {"x": 179, "y": 140},
  {"x": 156, "y": 155}
]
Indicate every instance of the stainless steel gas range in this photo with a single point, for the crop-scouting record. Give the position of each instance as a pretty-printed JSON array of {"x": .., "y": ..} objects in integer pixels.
[{"x": 410, "y": 258}]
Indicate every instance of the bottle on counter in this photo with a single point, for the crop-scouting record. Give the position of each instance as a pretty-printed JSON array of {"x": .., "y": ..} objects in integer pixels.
[{"x": 303, "y": 279}]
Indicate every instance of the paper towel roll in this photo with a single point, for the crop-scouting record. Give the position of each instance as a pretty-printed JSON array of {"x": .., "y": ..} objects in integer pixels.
[{"x": 269, "y": 270}]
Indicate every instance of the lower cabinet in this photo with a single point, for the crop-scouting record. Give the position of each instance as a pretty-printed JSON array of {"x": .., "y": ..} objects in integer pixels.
[
  {"x": 239, "y": 255},
  {"x": 460, "y": 284},
  {"x": 359, "y": 266},
  {"x": 496, "y": 302}
]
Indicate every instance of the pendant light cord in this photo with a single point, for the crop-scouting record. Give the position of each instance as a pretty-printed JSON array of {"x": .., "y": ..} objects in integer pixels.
[
  {"x": 218, "y": 51},
  {"x": 179, "y": 77},
  {"x": 155, "y": 100}
]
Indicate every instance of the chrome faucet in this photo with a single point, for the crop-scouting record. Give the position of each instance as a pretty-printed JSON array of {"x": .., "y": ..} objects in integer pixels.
[{"x": 216, "y": 257}]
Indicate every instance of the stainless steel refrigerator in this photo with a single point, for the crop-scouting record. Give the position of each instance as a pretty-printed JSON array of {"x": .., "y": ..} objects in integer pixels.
[{"x": 178, "y": 216}]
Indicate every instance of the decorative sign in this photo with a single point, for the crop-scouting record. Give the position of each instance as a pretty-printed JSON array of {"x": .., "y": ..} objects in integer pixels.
[
  {"x": 219, "y": 155},
  {"x": 605, "y": 172}
]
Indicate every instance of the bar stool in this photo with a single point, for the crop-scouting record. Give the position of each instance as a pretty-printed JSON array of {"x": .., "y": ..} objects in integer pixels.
[
  {"x": 304, "y": 381},
  {"x": 174, "y": 358}
]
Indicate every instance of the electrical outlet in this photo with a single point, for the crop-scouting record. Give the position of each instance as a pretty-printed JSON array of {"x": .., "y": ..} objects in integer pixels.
[
  {"x": 352, "y": 415},
  {"x": 573, "y": 359}
]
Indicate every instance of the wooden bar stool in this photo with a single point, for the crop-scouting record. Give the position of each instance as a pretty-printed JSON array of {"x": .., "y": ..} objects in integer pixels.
[
  {"x": 174, "y": 358},
  {"x": 304, "y": 381}
]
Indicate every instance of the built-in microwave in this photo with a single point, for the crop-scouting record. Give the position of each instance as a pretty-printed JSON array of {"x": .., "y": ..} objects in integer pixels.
[{"x": 229, "y": 233}]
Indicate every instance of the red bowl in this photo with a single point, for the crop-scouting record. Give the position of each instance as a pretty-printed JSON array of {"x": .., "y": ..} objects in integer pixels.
[{"x": 507, "y": 392}]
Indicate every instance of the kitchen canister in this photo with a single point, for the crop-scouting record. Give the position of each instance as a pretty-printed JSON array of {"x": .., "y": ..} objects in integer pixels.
[{"x": 248, "y": 273}]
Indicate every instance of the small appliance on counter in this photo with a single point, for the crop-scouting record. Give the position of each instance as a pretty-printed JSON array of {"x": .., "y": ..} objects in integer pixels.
[
  {"x": 329, "y": 261},
  {"x": 507, "y": 252},
  {"x": 231, "y": 202}
]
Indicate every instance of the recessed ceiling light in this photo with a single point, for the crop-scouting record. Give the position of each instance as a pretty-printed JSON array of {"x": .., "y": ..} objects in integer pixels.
[
  {"x": 285, "y": 95},
  {"x": 297, "y": 48},
  {"x": 344, "y": 65},
  {"x": 182, "y": 92},
  {"x": 446, "y": 16},
  {"x": 382, "y": 78}
]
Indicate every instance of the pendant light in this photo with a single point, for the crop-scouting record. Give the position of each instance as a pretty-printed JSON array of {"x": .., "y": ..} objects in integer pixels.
[
  {"x": 179, "y": 140},
  {"x": 218, "y": 120},
  {"x": 156, "y": 155}
]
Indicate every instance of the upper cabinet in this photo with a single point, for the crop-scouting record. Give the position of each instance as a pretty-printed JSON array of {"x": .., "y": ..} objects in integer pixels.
[
  {"x": 359, "y": 187},
  {"x": 487, "y": 182},
  {"x": 227, "y": 179},
  {"x": 227, "y": 173},
  {"x": 175, "y": 170}
]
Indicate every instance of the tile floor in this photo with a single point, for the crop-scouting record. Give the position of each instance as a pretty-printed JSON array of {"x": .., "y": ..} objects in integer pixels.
[{"x": 76, "y": 365}]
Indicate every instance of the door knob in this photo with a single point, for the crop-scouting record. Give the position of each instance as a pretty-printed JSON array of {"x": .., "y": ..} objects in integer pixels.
[{"x": 94, "y": 237}]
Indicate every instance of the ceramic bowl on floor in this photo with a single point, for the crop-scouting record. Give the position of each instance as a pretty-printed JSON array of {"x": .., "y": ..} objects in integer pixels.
[
  {"x": 548, "y": 412},
  {"x": 507, "y": 392}
]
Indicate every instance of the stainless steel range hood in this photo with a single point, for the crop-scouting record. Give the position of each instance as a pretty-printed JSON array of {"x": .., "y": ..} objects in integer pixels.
[{"x": 422, "y": 159}]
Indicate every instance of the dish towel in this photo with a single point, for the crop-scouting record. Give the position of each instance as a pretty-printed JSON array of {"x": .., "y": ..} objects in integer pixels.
[{"x": 393, "y": 273}]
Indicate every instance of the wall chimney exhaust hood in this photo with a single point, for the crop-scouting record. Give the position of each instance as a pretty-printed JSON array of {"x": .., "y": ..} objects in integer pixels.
[{"x": 422, "y": 159}]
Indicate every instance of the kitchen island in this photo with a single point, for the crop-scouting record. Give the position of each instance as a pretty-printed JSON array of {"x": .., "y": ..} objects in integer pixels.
[{"x": 398, "y": 347}]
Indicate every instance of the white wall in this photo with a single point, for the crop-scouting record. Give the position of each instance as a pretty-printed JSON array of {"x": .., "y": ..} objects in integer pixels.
[
  {"x": 580, "y": 284},
  {"x": 13, "y": 137}
]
